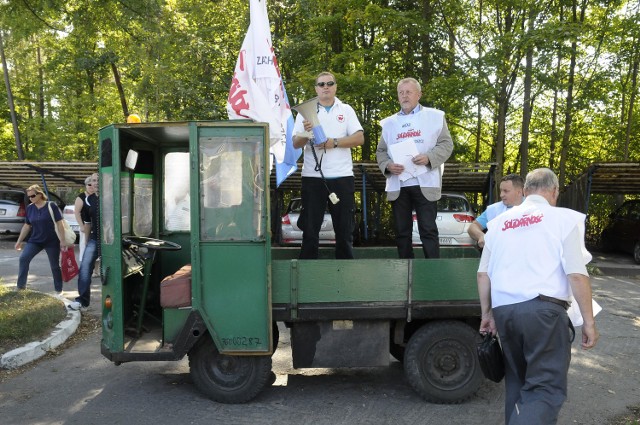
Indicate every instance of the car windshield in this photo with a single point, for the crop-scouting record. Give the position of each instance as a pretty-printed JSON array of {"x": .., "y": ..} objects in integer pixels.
[
  {"x": 16, "y": 197},
  {"x": 452, "y": 204}
]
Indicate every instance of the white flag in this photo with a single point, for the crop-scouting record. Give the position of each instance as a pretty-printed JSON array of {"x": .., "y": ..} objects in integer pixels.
[{"x": 257, "y": 91}]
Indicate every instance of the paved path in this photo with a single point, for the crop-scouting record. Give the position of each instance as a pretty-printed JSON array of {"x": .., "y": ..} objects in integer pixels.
[{"x": 81, "y": 387}]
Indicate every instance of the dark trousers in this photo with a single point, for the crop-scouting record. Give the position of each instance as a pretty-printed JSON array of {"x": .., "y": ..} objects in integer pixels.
[
  {"x": 315, "y": 199},
  {"x": 536, "y": 340},
  {"x": 411, "y": 199}
]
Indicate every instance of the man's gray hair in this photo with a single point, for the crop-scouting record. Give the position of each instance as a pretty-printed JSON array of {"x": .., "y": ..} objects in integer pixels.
[
  {"x": 541, "y": 179},
  {"x": 410, "y": 80}
]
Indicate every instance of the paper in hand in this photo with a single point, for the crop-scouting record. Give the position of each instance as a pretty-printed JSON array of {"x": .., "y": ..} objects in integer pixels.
[{"x": 403, "y": 153}]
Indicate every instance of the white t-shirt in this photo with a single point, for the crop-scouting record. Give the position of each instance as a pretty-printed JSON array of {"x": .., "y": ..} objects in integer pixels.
[
  {"x": 339, "y": 121},
  {"x": 530, "y": 249}
]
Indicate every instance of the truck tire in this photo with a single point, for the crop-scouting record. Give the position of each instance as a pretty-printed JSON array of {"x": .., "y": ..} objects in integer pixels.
[
  {"x": 441, "y": 363},
  {"x": 225, "y": 378}
]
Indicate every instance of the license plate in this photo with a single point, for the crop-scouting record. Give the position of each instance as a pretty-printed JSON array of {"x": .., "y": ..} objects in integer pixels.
[
  {"x": 445, "y": 241},
  {"x": 3, "y": 212}
]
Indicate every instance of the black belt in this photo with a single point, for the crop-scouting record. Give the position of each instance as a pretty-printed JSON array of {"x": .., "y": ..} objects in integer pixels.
[{"x": 562, "y": 303}]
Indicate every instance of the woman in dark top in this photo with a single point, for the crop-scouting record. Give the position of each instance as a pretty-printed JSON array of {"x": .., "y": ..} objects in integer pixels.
[
  {"x": 82, "y": 211},
  {"x": 91, "y": 254},
  {"x": 39, "y": 226}
]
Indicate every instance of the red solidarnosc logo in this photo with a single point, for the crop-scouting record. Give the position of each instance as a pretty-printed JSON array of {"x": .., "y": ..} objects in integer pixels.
[{"x": 340, "y": 118}]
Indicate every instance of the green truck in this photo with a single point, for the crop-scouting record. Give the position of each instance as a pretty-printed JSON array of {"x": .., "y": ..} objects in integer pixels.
[{"x": 188, "y": 268}]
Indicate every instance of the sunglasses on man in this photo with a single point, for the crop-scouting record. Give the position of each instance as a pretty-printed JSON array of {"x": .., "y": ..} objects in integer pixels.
[{"x": 328, "y": 84}]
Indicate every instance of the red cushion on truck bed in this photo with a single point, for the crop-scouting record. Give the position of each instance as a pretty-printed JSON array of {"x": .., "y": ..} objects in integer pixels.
[{"x": 175, "y": 290}]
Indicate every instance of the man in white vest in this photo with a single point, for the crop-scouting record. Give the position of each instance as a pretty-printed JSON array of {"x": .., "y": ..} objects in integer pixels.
[
  {"x": 532, "y": 264},
  {"x": 414, "y": 144},
  {"x": 511, "y": 194}
]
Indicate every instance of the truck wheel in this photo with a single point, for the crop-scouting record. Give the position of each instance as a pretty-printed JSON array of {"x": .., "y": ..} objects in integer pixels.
[
  {"x": 227, "y": 379},
  {"x": 636, "y": 252},
  {"x": 441, "y": 363}
]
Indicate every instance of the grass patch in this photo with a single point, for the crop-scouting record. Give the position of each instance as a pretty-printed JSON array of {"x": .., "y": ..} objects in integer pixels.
[
  {"x": 631, "y": 418},
  {"x": 27, "y": 316}
]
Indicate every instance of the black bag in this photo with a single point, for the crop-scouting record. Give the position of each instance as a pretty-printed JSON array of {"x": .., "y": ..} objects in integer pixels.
[{"x": 490, "y": 358}]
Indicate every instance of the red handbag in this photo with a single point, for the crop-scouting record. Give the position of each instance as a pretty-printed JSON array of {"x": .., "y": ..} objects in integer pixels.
[{"x": 68, "y": 264}]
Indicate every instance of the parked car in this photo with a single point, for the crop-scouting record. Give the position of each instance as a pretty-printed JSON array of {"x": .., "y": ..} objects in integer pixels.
[
  {"x": 455, "y": 215},
  {"x": 13, "y": 209},
  {"x": 69, "y": 214},
  {"x": 291, "y": 233},
  {"x": 623, "y": 231}
]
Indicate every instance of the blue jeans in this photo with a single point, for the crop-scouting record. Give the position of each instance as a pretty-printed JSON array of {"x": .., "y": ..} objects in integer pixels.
[
  {"x": 89, "y": 258},
  {"x": 29, "y": 251}
]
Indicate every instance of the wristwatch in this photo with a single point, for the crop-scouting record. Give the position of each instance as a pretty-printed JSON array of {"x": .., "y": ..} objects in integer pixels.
[{"x": 335, "y": 143}]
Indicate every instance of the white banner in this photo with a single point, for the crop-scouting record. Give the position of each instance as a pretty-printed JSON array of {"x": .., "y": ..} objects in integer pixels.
[{"x": 257, "y": 91}]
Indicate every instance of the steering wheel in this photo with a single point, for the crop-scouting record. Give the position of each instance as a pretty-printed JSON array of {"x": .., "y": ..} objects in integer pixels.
[{"x": 152, "y": 244}]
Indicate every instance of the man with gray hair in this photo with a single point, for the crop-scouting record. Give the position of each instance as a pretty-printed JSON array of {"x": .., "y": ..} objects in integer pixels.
[
  {"x": 532, "y": 264},
  {"x": 414, "y": 182}
]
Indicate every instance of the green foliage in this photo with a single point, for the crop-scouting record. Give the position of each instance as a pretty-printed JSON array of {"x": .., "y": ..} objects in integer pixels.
[{"x": 174, "y": 61}]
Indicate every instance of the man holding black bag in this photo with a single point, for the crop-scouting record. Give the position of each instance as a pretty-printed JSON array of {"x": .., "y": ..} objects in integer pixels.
[{"x": 532, "y": 264}]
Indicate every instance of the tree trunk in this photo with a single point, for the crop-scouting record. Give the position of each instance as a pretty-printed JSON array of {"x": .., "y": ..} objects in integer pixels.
[
  {"x": 40, "y": 87},
  {"x": 12, "y": 109},
  {"x": 554, "y": 116},
  {"x": 632, "y": 98},
  {"x": 123, "y": 99},
  {"x": 568, "y": 117},
  {"x": 527, "y": 104},
  {"x": 427, "y": 16}
]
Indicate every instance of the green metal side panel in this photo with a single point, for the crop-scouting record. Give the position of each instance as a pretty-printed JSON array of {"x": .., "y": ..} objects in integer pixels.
[
  {"x": 346, "y": 281},
  {"x": 445, "y": 279},
  {"x": 282, "y": 275},
  {"x": 232, "y": 286},
  {"x": 235, "y": 296},
  {"x": 110, "y": 239},
  {"x": 173, "y": 320},
  {"x": 374, "y": 280}
]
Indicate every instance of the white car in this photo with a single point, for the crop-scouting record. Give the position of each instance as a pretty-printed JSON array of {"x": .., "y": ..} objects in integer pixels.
[
  {"x": 69, "y": 214},
  {"x": 13, "y": 209},
  {"x": 455, "y": 215},
  {"x": 291, "y": 233}
]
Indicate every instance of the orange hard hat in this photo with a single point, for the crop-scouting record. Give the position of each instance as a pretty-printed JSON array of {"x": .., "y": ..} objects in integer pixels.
[{"x": 133, "y": 119}]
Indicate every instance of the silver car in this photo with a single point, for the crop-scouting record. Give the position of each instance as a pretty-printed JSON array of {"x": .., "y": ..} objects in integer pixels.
[
  {"x": 13, "y": 209},
  {"x": 455, "y": 215},
  {"x": 69, "y": 214},
  {"x": 291, "y": 233}
]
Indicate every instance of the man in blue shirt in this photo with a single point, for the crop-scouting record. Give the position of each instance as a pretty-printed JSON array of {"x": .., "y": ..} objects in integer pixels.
[{"x": 511, "y": 194}]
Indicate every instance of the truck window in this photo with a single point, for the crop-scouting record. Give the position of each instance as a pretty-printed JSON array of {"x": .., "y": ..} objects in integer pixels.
[
  {"x": 231, "y": 181},
  {"x": 106, "y": 209},
  {"x": 176, "y": 192}
]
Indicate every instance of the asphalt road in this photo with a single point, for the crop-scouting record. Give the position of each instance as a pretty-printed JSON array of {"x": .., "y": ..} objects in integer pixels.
[{"x": 79, "y": 386}]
